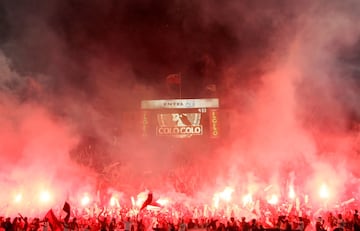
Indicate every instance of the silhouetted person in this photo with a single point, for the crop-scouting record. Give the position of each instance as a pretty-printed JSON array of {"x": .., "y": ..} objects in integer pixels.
[
  {"x": 356, "y": 221},
  {"x": 8, "y": 225},
  {"x": 232, "y": 226},
  {"x": 140, "y": 225},
  {"x": 319, "y": 225},
  {"x": 244, "y": 226},
  {"x": 112, "y": 225},
  {"x": 73, "y": 224}
]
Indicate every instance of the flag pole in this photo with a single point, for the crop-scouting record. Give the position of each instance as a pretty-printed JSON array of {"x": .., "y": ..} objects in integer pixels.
[{"x": 180, "y": 85}]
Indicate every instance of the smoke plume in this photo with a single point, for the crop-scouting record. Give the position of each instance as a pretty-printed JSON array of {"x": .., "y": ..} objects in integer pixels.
[{"x": 73, "y": 72}]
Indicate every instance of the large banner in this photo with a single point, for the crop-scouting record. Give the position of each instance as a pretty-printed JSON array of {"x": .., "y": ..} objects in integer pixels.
[{"x": 181, "y": 118}]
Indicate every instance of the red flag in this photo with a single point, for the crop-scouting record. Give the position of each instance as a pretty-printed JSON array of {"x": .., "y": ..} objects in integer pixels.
[
  {"x": 173, "y": 79},
  {"x": 147, "y": 201},
  {"x": 211, "y": 87},
  {"x": 53, "y": 221}
]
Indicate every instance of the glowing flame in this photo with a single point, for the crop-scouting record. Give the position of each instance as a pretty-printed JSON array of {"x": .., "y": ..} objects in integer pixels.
[
  {"x": 306, "y": 199},
  {"x": 18, "y": 198},
  {"x": 247, "y": 199},
  {"x": 114, "y": 201},
  {"x": 44, "y": 196},
  {"x": 273, "y": 200},
  {"x": 292, "y": 192},
  {"x": 85, "y": 200},
  {"x": 216, "y": 200},
  {"x": 163, "y": 201},
  {"x": 324, "y": 191},
  {"x": 226, "y": 194}
]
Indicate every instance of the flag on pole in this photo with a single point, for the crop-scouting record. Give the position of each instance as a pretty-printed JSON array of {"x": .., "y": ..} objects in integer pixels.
[
  {"x": 211, "y": 87},
  {"x": 66, "y": 208},
  {"x": 147, "y": 201},
  {"x": 173, "y": 79},
  {"x": 53, "y": 221},
  {"x": 173, "y": 82}
]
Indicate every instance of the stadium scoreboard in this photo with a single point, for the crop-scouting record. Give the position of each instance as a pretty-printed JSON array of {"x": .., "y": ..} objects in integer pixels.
[{"x": 180, "y": 118}]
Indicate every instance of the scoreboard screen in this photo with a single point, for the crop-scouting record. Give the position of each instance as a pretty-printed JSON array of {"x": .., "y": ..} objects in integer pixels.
[{"x": 180, "y": 118}]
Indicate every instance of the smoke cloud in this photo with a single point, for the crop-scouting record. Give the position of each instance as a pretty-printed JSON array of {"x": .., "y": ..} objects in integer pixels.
[{"x": 72, "y": 73}]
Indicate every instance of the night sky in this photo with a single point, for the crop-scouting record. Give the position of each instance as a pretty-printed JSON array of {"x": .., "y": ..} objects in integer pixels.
[{"x": 152, "y": 39}]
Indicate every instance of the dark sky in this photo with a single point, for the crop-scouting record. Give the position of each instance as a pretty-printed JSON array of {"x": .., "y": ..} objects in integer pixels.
[{"x": 70, "y": 40}]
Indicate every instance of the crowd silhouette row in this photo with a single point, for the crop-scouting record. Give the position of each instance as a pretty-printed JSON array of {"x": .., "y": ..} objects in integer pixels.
[{"x": 149, "y": 221}]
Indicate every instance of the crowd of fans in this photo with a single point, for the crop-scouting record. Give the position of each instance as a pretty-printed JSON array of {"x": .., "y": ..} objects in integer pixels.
[{"x": 348, "y": 221}]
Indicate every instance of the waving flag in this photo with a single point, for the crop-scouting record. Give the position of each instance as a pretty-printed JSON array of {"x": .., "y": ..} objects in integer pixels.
[
  {"x": 173, "y": 79},
  {"x": 53, "y": 221},
  {"x": 147, "y": 201},
  {"x": 211, "y": 87},
  {"x": 66, "y": 208},
  {"x": 173, "y": 82}
]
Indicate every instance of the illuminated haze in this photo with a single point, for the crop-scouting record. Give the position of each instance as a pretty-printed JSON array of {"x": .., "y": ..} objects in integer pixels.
[{"x": 287, "y": 76}]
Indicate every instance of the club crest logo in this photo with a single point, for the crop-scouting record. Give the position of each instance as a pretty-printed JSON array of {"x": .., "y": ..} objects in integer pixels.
[{"x": 179, "y": 124}]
